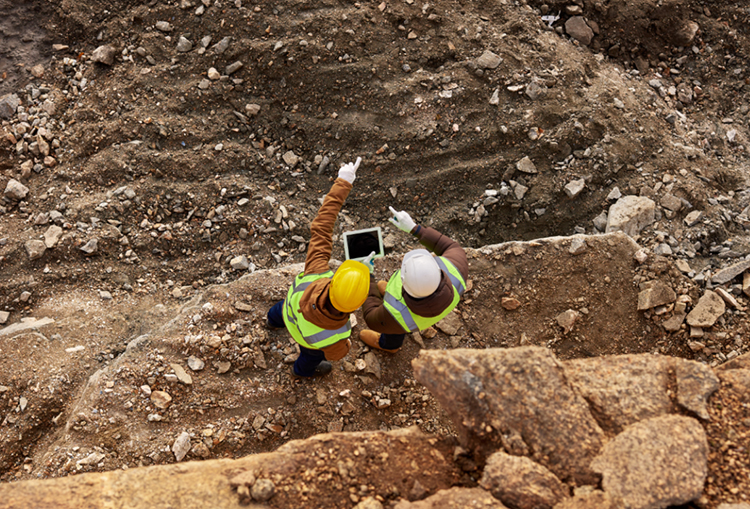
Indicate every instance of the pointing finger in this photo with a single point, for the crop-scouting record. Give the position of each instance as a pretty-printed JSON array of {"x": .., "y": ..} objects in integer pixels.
[
  {"x": 393, "y": 211},
  {"x": 356, "y": 164}
]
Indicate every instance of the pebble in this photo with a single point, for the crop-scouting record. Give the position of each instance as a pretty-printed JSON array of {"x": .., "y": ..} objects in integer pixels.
[
  {"x": 290, "y": 158},
  {"x": 525, "y": 165},
  {"x": 253, "y": 109},
  {"x": 239, "y": 263},
  {"x": 181, "y": 374},
  {"x": 213, "y": 74},
  {"x": 161, "y": 399},
  {"x": 184, "y": 45},
  {"x": 35, "y": 249},
  {"x": 574, "y": 187},
  {"x": 4, "y": 315},
  {"x": 489, "y": 60},
  {"x": 164, "y": 26},
  {"x": 232, "y": 68},
  {"x": 195, "y": 363},
  {"x": 263, "y": 490},
  {"x": 567, "y": 319},
  {"x": 181, "y": 446},
  {"x": 90, "y": 247},
  {"x": 104, "y": 54},
  {"x": 577, "y": 246},
  {"x": 105, "y": 295}
]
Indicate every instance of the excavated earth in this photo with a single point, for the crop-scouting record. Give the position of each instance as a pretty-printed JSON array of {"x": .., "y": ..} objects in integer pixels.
[{"x": 158, "y": 160}]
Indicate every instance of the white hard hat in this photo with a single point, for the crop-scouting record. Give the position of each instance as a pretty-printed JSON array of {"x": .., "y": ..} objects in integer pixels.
[{"x": 420, "y": 273}]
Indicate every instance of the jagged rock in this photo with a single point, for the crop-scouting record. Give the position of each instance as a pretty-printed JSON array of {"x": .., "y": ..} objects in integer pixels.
[
  {"x": 450, "y": 324},
  {"x": 90, "y": 247},
  {"x": 709, "y": 308},
  {"x": 729, "y": 273},
  {"x": 15, "y": 190},
  {"x": 104, "y": 54},
  {"x": 161, "y": 399},
  {"x": 525, "y": 165},
  {"x": 8, "y": 106},
  {"x": 594, "y": 499},
  {"x": 624, "y": 389},
  {"x": 4, "y": 315},
  {"x": 577, "y": 28},
  {"x": 577, "y": 246},
  {"x": 671, "y": 202},
  {"x": 693, "y": 217},
  {"x": 657, "y": 294},
  {"x": 240, "y": 263},
  {"x": 655, "y": 463},
  {"x": 35, "y": 249},
  {"x": 455, "y": 498},
  {"x": 181, "y": 446},
  {"x": 184, "y": 45},
  {"x": 52, "y": 236},
  {"x": 181, "y": 374},
  {"x": 737, "y": 381},
  {"x": 489, "y": 60},
  {"x": 567, "y": 319},
  {"x": 685, "y": 34},
  {"x": 195, "y": 363},
  {"x": 695, "y": 383},
  {"x": 521, "y": 483},
  {"x": 493, "y": 393},
  {"x": 574, "y": 187},
  {"x": 630, "y": 214}
]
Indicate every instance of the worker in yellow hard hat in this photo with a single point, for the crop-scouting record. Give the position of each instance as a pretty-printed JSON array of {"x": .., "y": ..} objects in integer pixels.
[{"x": 317, "y": 307}]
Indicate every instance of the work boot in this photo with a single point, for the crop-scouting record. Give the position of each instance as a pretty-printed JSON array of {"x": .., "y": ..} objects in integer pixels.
[
  {"x": 372, "y": 339},
  {"x": 381, "y": 287},
  {"x": 321, "y": 369}
]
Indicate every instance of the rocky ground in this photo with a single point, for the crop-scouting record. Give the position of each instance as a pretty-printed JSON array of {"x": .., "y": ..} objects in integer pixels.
[{"x": 154, "y": 152}]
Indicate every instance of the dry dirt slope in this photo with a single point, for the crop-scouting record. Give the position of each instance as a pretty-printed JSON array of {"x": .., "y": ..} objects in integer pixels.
[{"x": 135, "y": 146}]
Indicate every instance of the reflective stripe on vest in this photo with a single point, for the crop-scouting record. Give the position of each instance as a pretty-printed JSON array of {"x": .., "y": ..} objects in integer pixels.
[
  {"x": 412, "y": 322},
  {"x": 303, "y": 331}
]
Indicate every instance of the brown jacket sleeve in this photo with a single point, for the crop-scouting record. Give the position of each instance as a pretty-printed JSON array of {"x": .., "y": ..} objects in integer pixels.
[
  {"x": 443, "y": 246},
  {"x": 321, "y": 229},
  {"x": 376, "y": 315},
  {"x": 338, "y": 350}
]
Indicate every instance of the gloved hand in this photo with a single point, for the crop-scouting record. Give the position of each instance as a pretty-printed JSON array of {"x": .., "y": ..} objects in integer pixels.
[
  {"x": 348, "y": 172},
  {"x": 402, "y": 220},
  {"x": 370, "y": 262}
]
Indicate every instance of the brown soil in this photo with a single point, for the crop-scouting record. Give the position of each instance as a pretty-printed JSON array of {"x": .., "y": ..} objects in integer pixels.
[{"x": 398, "y": 86}]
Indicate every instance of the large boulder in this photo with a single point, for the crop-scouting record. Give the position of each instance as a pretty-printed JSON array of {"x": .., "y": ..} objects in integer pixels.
[
  {"x": 455, "y": 498},
  {"x": 625, "y": 389},
  {"x": 655, "y": 463},
  {"x": 515, "y": 400},
  {"x": 521, "y": 483}
]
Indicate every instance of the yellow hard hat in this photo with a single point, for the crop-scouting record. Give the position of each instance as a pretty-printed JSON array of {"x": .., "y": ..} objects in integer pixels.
[{"x": 350, "y": 286}]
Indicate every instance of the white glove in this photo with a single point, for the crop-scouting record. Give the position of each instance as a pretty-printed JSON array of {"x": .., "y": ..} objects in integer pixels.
[
  {"x": 370, "y": 262},
  {"x": 348, "y": 172},
  {"x": 402, "y": 220}
]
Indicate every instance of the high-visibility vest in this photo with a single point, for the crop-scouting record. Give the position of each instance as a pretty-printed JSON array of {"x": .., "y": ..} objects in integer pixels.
[
  {"x": 304, "y": 332},
  {"x": 412, "y": 322}
]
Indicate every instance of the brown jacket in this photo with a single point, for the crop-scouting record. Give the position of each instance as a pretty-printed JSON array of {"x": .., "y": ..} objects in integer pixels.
[
  {"x": 314, "y": 304},
  {"x": 377, "y": 316}
]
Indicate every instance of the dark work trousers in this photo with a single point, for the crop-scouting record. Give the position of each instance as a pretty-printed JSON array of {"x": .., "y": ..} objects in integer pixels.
[
  {"x": 308, "y": 358},
  {"x": 391, "y": 341}
]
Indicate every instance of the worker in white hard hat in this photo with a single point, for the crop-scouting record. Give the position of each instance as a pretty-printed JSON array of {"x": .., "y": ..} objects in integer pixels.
[{"x": 427, "y": 288}]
